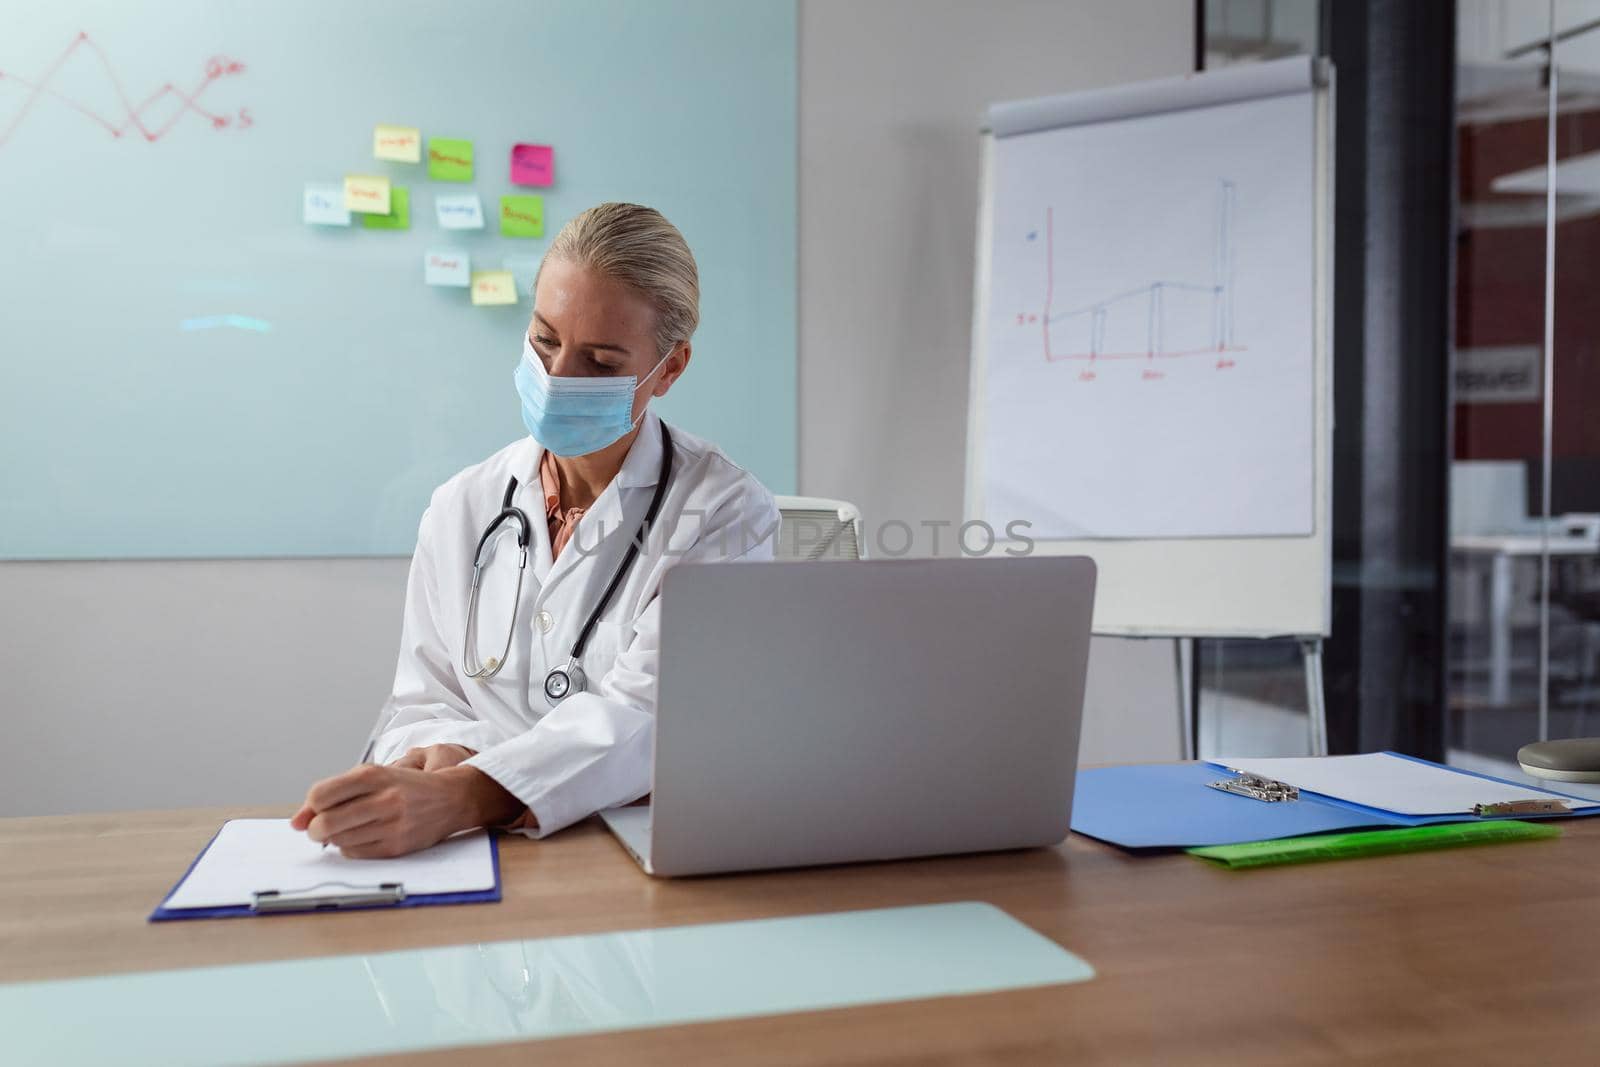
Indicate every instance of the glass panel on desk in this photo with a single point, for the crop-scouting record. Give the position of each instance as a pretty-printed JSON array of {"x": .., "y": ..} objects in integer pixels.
[{"x": 337, "y": 1007}]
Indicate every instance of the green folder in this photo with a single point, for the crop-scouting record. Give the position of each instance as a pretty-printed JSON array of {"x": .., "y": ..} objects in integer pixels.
[{"x": 1371, "y": 843}]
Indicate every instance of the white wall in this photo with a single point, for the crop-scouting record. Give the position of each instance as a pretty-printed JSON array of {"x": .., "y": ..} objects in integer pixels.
[
  {"x": 173, "y": 684},
  {"x": 139, "y": 685},
  {"x": 891, "y": 93}
]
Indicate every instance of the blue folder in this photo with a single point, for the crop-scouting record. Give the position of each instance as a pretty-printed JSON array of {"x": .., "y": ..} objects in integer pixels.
[
  {"x": 1169, "y": 805},
  {"x": 478, "y": 896}
]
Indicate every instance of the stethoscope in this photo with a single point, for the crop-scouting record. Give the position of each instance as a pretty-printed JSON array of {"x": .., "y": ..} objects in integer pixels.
[{"x": 561, "y": 682}]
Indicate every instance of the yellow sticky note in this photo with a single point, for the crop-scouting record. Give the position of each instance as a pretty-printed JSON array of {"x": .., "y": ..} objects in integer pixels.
[
  {"x": 366, "y": 193},
  {"x": 493, "y": 287},
  {"x": 398, "y": 144}
]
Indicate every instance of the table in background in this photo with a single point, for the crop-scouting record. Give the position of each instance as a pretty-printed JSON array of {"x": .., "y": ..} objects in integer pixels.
[
  {"x": 1503, "y": 550},
  {"x": 1481, "y": 954}
]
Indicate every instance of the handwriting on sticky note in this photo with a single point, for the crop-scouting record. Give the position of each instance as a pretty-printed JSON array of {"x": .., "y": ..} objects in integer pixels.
[
  {"x": 522, "y": 216},
  {"x": 490, "y": 287},
  {"x": 399, "y": 216},
  {"x": 366, "y": 194},
  {"x": 398, "y": 144},
  {"x": 446, "y": 266},
  {"x": 449, "y": 160},
  {"x": 459, "y": 211},
  {"x": 533, "y": 164},
  {"x": 323, "y": 205}
]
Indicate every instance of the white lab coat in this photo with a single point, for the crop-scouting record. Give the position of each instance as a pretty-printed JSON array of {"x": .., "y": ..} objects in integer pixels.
[{"x": 592, "y": 750}]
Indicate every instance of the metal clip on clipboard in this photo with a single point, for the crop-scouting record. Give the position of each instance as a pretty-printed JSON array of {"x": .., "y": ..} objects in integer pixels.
[
  {"x": 312, "y": 898},
  {"x": 1257, "y": 787},
  {"x": 1523, "y": 807}
]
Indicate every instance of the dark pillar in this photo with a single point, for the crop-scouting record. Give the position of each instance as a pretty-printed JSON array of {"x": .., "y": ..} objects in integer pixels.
[{"x": 1393, "y": 288}]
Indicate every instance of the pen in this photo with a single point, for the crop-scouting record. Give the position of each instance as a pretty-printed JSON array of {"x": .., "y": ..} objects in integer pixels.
[{"x": 366, "y": 757}]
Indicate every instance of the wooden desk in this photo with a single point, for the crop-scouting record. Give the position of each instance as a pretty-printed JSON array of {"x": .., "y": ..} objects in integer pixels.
[{"x": 1489, "y": 954}]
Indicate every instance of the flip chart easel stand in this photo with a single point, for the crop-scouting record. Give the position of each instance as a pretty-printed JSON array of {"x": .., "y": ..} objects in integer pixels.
[{"x": 1188, "y": 692}]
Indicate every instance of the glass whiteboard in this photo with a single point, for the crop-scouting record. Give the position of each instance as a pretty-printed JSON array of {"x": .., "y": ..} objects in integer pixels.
[{"x": 187, "y": 369}]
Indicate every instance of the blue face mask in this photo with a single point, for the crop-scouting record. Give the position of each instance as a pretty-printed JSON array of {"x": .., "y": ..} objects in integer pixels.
[{"x": 575, "y": 416}]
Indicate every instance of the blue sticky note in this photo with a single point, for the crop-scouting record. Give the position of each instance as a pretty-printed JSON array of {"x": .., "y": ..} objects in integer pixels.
[
  {"x": 323, "y": 204},
  {"x": 446, "y": 266},
  {"x": 459, "y": 211}
]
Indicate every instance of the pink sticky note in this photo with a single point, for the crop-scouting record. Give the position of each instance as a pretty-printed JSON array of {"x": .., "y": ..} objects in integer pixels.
[{"x": 533, "y": 164}]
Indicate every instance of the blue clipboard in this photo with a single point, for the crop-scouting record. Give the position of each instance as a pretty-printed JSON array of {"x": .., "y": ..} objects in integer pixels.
[
  {"x": 1170, "y": 805},
  {"x": 310, "y": 904}
]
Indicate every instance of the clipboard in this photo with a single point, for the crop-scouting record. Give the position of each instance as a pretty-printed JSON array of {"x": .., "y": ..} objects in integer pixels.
[
  {"x": 1180, "y": 805},
  {"x": 353, "y": 885}
]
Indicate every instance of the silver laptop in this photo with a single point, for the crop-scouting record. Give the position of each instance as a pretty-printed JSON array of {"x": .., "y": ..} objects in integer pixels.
[{"x": 831, "y": 712}]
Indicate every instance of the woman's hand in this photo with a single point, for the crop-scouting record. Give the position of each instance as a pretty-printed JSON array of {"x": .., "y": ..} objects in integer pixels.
[
  {"x": 373, "y": 812},
  {"x": 435, "y": 757}
]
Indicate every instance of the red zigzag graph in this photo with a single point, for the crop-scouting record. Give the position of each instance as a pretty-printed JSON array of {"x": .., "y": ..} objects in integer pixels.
[{"x": 217, "y": 67}]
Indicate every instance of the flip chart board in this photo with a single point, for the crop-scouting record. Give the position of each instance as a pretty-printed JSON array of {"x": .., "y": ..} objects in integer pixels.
[
  {"x": 203, "y": 354},
  {"x": 1150, "y": 381}
]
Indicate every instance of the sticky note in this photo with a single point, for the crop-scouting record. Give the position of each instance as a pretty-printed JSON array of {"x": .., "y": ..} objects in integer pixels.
[
  {"x": 459, "y": 211},
  {"x": 533, "y": 164},
  {"x": 449, "y": 160},
  {"x": 491, "y": 287},
  {"x": 324, "y": 205},
  {"x": 399, "y": 216},
  {"x": 398, "y": 144},
  {"x": 446, "y": 266},
  {"x": 522, "y": 216},
  {"x": 366, "y": 194}
]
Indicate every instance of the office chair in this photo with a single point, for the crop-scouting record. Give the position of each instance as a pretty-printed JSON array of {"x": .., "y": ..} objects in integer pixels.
[{"x": 816, "y": 528}]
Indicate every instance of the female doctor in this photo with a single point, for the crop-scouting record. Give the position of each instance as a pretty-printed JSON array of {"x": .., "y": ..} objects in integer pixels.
[{"x": 525, "y": 692}]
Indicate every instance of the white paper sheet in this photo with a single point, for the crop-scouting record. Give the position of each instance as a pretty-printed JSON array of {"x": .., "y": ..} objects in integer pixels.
[
  {"x": 251, "y": 855},
  {"x": 1390, "y": 783}
]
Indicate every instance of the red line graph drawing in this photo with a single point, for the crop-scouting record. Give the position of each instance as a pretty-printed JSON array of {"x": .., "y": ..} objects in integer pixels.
[
  {"x": 1148, "y": 303},
  {"x": 132, "y": 117}
]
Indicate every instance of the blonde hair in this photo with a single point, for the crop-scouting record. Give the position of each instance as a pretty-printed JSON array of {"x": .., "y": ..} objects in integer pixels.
[{"x": 637, "y": 246}]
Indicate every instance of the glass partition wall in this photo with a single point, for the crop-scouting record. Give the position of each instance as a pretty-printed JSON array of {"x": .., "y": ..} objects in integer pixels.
[
  {"x": 1522, "y": 654},
  {"x": 1524, "y": 651},
  {"x": 1250, "y": 695}
]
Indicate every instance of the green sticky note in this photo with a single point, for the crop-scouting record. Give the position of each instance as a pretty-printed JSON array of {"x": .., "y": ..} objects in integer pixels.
[
  {"x": 449, "y": 160},
  {"x": 522, "y": 216},
  {"x": 399, "y": 216}
]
